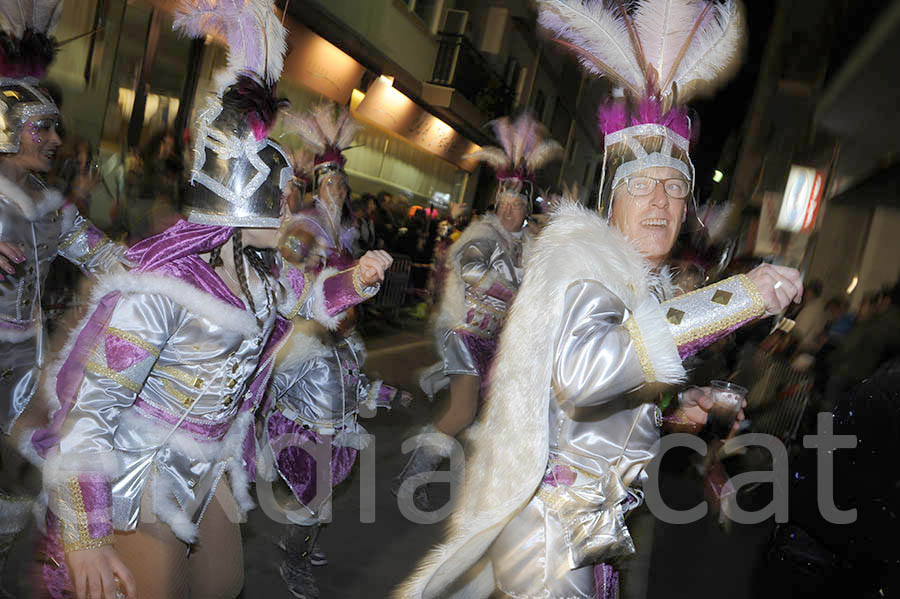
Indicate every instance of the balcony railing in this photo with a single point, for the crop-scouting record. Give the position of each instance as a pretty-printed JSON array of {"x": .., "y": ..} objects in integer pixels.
[{"x": 461, "y": 66}]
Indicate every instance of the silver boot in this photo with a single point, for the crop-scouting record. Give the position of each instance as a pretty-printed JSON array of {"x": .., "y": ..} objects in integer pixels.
[
  {"x": 296, "y": 568},
  {"x": 431, "y": 449}
]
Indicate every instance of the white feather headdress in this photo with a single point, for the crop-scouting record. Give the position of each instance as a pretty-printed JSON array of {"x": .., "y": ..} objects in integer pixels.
[
  {"x": 670, "y": 49},
  {"x": 253, "y": 33},
  {"x": 524, "y": 148},
  {"x": 326, "y": 130}
]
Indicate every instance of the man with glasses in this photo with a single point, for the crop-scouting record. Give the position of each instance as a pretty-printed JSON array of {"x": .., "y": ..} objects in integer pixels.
[{"x": 571, "y": 420}]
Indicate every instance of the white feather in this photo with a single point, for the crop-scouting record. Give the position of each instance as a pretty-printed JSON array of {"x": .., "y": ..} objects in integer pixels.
[
  {"x": 597, "y": 30},
  {"x": 663, "y": 27},
  {"x": 714, "y": 53},
  {"x": 45, "y": 14},
  {"x": 276, "y": 42}
]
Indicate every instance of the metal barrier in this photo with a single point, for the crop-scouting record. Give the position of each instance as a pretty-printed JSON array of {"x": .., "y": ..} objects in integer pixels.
[
  {"x": 779, "y": 397},
  {"x": 394, "y": 292}
]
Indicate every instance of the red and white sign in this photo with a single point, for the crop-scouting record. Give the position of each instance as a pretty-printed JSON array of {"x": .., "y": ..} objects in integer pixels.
[{"x": 802, "y": 198}]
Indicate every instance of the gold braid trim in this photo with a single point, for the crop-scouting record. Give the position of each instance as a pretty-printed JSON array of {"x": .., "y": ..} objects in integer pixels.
[
  {"x": 640, "y": 349},
  {"x": 133, "y": 339},
  {"x": 757, "y": 308},
  {"x": 185, "y": 399},
  {"x": 84, "y": 535},
  {"x": 182, "y": 376},
  {"x": 72, "y": 238},
  {"x": 100, "y": 370}
]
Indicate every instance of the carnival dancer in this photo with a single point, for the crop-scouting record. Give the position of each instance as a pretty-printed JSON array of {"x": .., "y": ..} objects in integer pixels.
[
  {"x": 319, "y": 390},
  {"x": 562, "y": 445},
  {"x": 160, "y": 384},
  {"x": 484, "y": 270},
  {"x": 36, "y": 225}
]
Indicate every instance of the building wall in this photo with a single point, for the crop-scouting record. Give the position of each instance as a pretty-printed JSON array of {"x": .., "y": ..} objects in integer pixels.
[
  {"x": 880, "y": 264},
  {"x": 839, "y": 248},
  {"x": 392, "y": 28}
]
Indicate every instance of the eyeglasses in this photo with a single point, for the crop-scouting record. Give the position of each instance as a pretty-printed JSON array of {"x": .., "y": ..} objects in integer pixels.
[{"x": 676, "y": 188}]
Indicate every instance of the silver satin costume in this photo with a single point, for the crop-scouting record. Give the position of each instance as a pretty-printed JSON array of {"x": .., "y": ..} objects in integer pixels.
[
  {"x": 559, "y": 452},
  {"x": 165, "y": 348},
  {"x": 593, "y": 423},
  {"x": 43, "y": 230},
  {"x": 485, "y": 270},
  {"x": 327, "y": 390}
]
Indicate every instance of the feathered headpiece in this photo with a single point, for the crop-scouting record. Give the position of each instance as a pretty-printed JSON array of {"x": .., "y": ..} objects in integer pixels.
[
  {"x": 524, "y": 148},
  {"x": 327, "y": 132},
  {"x": 26, "y": 52},
  {"x": 660, "y": 54},
  {"x": 304, "y": 163},
  {"x": 26, "y": 45},
  {"x": 240, "y": 171}
]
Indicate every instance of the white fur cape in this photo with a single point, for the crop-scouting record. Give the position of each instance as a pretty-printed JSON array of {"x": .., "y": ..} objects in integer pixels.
[
  {"x": 52, "y": 199},
  {"x": 507, "y": 458}
]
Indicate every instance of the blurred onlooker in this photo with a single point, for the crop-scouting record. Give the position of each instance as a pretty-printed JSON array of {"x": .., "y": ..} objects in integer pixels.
[
  {"x": 810, "y": 322},
  {"x": 364, "y": 213},
  {"x": 385, "y": 224},
  {"x": 159, "y": 187}
]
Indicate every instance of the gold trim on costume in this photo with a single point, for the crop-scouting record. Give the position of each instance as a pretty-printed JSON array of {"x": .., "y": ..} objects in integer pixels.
[
  {"x": 302, "y": 299},
  {"x": 109, "y": 373},
  {"x": 72, "y": 238},
  {"x": 359, "y": 287},
  {"x": 182, "y": 376},
  {"x": 640, "y": 349},
  {"x": 185, "y": 399},
  {"x": 84, "y": 534},
  {"x": 134, "y": 340}
]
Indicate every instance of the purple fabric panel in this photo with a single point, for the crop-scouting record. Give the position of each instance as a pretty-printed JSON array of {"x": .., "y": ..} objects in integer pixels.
[
  {"x": 386, "y": 395},
  {"x": 52, "y": 578},
  {"x": 482, "y": 351},
  {"x": 175, "y": 253},
  {"x": 691, "y": 348},
  {"x": 297, "y": 466},
  {"x": 12, "y": 326},
  {"x": 94, "y": 236},
  {"x": 606, "y": 582},
  {"x": 340, "y": 260},
  {"x": 560, "y": 474},
  {"x": 97, "y": 496},
  {"x": 122, "y": 354},
  {"x": 202, "y": 432},
  {"x": 340, "y": 293},
  {"x": 248, "y": 451},
  {"x": 500, "y": 292},
  {"x": 297, "y": 281},
  {"x": 72, "y": 373}
]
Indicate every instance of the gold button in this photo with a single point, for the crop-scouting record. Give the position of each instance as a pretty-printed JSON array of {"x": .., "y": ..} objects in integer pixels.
[
  {"x": 674, "y": 316},
  {"x": 198, "y": 382},
  {"x": 227, "y": 400},
  {"x": 26, "y": 302},
  {"x": 231, "y": 383},
  {"x": 235, "y": 367}
]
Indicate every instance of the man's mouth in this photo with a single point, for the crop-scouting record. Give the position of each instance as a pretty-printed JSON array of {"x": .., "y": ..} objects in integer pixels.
[
  {"x": 49, "y": 154},
  {"x": 655, "y": 222}
]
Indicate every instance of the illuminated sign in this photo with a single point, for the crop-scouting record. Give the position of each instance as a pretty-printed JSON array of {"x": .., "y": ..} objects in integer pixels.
[
  {"x": 802, "y": 198},
  {"x": 388, "y": 108}
]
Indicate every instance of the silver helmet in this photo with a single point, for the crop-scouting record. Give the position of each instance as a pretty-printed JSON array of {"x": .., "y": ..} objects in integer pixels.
[
  {"x": 20, "y": 102},
  {"x": 238, "y": 175}
]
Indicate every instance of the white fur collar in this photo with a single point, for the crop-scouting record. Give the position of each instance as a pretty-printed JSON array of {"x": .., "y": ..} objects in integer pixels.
[
  {"x": 51, "y": 200},
  {"x": 195, "y": 300},
  {"x": 507, "y": 458}
]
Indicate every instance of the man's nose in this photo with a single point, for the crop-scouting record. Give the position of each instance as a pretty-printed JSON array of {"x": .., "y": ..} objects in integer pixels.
[{"x": 659, "y": 197}]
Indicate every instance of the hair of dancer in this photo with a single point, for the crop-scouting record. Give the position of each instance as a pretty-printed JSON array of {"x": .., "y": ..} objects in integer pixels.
[{"x": 564, "y": 438}]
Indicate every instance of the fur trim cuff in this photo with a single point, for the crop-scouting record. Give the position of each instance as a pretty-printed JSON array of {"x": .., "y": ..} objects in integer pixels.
[
  {"x": 654, "y": 344},
  {"x": 319, "y": 307}
]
